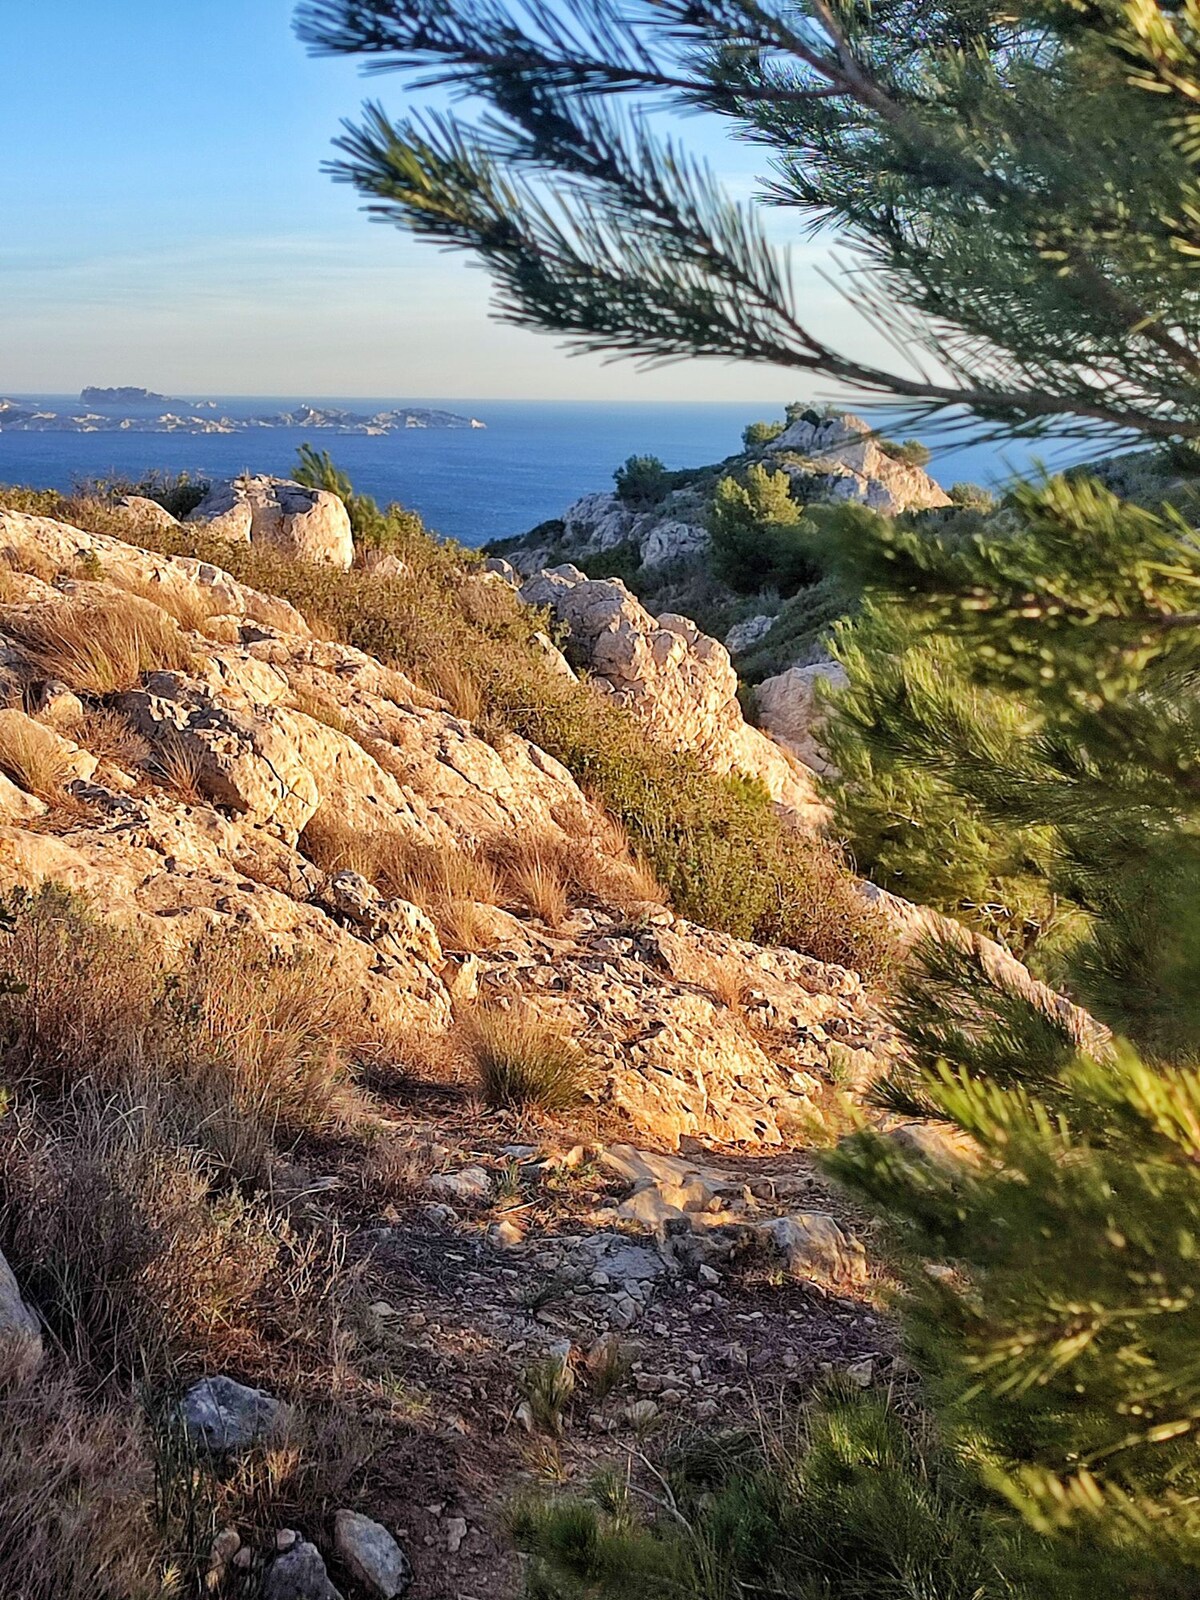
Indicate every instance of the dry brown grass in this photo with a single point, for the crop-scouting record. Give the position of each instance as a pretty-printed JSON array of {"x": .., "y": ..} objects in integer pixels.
[
  {"x": 110, "y": 736},
  {"x": 76, "y": 1496},
  {"x": 727, "y": 985},
  {"x": 180, "y": 766},
  {"x": 450, "y": 882},
  {"x": 539, "y": 874},
  {"x": 332, "y": 845},
  {"x": 33, "y": 758},
  {"x": 457, "y": 686},
  {"x": 188, "y": 603},
  {"x": 103, "y": 647},
  {"x": 522, "y": 1059}
]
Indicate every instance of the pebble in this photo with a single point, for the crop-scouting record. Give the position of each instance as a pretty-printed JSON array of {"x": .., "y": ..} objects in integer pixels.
[{"x": 456, "y": 1532}]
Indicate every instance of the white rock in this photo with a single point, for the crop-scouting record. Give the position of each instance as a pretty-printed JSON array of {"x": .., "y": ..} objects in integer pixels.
[
  {"x": 814, "y": 1245},
  {"x": 786, "y": 708},
  {"x": 20, "y": 1331},
  {"x": 371, "y": 1554},
  {"x": 747, "y": 633},
  {"x": 845, "y": 460},
  {"x": 310, "y": 524},
  {"x": 470, "y": 1185}
]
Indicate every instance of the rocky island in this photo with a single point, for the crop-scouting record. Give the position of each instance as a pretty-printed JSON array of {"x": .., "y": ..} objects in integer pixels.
[{"x": 131, "y": 411}]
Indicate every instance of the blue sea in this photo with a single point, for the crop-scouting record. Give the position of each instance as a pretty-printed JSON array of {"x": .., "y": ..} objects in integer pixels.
[{"x": 528, "y": 464}]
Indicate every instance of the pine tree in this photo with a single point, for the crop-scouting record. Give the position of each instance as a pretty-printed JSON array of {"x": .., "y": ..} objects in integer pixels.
[{"x": 1018, "y": 184}]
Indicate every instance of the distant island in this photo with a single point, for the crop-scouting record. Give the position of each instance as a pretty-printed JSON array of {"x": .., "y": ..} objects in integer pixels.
[{"x": 19, "y": 417}]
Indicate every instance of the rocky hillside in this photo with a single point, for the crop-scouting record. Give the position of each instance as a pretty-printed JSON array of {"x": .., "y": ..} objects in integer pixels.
[{"x": 378, "y": 1131}]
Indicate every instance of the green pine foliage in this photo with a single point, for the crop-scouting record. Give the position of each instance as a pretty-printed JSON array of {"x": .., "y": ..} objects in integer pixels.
[
  {"x": 760, "y": 536},
  {"x": 373, "y": 528},
  {"x": 858, "y": 1505}
]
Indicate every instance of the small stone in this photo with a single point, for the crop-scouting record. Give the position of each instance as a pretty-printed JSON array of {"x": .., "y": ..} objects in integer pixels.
[
  {"x": 708, "y": 1276},
  {"x": 285, "y": 1538},
  {"x": 861, "y": 1372},
  {"x": 472, "y": 1185},
  {"x": 456, "y": 1532},
  {"x": 371, "y": 1554},
  {"x": 244, "y": 1558},
  {"x": 445, "y": 1216},
  {"x": 640, "y": 1412},
  {"x": 505, "y": 1235},
  {"x": 299, "y": 1574},
  {"x": 221, "y": 1415}
]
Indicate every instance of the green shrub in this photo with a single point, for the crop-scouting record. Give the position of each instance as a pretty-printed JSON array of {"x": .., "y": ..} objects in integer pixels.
[
  {"x": 909, "y": 451},
  {"x": 857, "y": 1506},
  {"x": 758, "y": 434},
  {"x": 972, "y": 497},
  {"x": 761, "y": 538},
  {"x": 641, "y": 480}
]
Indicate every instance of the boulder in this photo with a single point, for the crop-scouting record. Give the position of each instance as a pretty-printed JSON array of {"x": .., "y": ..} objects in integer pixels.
[
  {"x": 786, "y": 706},
  {"x": 841, "y": 460},
  {"x": 20, "y": 1331},
  {"x": 676, "y": 679},
  {"x": 140, "y": 512},
  {"x": 223, "y": 1416},
  {"x": 371, "y": 1555},
  {"x": 310, "y": 524},
  {"x": 472, "y": 1185},
  {"x": 813, "y": 1245},
  {"x": 299, "y": 1574}
]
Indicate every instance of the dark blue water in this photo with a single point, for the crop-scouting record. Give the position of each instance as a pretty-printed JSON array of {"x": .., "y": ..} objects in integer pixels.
[{"x": 529, "y": 463}]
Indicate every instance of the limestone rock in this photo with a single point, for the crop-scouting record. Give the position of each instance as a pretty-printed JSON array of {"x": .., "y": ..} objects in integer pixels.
[
  {"x": 786, "y": 708},
  {"x": 223, "y": 1416},
  {"x": 371, "y": 1555},
  {"x": 311, "y": 524},
  {"x": 299, "y": 1574},
  {"x": 678, "y": 680},
  {"x": 746, "y": 634},
  {"x": 843, "y": 461},
  {"x": 814, "y": 1245},
  {"x": 20, "y": 1331},
  {"x": 144, "y": 513},
  {"x": 472, "y": 1185}
]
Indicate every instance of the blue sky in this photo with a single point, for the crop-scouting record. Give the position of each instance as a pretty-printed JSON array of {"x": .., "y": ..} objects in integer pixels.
[{"x": 164, "y": 221}]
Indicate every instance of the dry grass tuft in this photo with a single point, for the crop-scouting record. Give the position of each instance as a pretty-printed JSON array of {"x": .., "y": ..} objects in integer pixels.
[
  {"x": 540, "y": 877},
  {"x": 34, "y": 759},
  {"x": 450, "y": 882},
  {"x": 101, "y": 648},
  {"x": 190, "y": 605},
  {"x": 457, "y": 686},
  {"x": 180, "y": 765},
  {"x": 76, "y": 1496},
  {"x": 332, "y": 845},
  {"x": 522, "y": 1060},
  {"x": 111, "y": 737}
]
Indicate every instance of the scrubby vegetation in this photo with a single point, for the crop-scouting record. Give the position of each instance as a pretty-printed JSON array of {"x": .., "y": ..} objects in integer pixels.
[
  {"x": 854, "y": 1502},
  {"x": 151, "y": 1103}
]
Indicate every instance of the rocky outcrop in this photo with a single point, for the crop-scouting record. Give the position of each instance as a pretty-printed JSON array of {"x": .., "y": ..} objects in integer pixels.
[
  {"x": 600, "y": 522},
  {"x": 840, "y": 459},
  {"x": 678, "y": 680},
  {"x": 310, "y": 524},
  {"x": 194, "y": 825},
  {"x": 787, "y": 707}
]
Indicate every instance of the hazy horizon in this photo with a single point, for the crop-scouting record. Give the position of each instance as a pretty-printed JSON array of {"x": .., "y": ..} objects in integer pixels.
[{"x": 171, "y": 217}]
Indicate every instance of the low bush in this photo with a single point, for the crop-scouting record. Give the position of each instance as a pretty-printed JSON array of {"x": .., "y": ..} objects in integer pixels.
[
  {"x": 761, "y": 537},
  {"x": 641, "y": 480},
  {"x": 758, "y": 434},
  {"x": 910, "y": 452},
  {"x": 857, "y": 1506},
  {"x": 522, "y": 1060}
]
